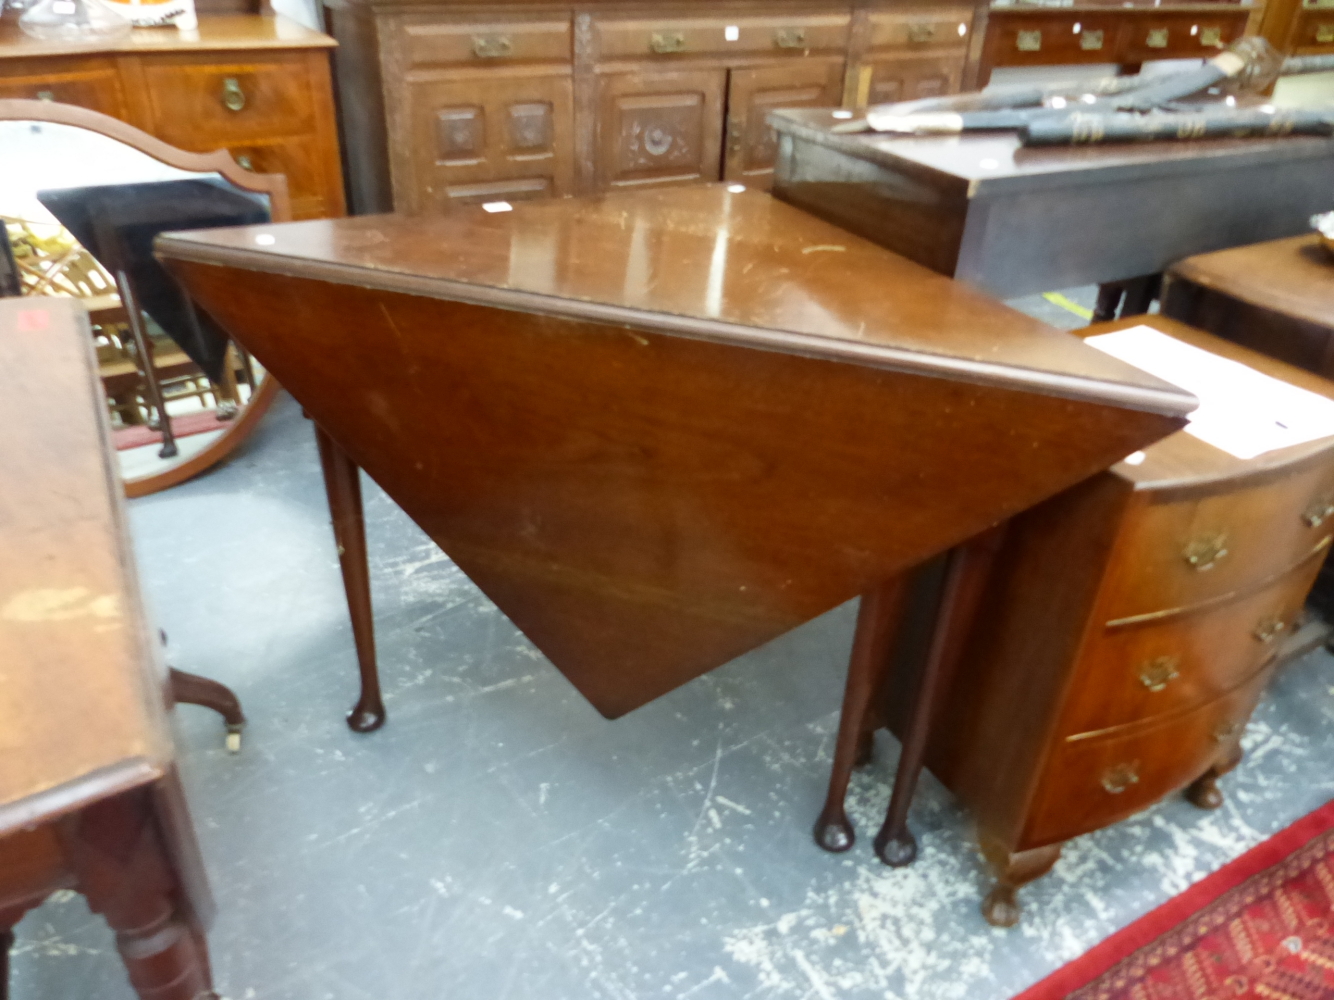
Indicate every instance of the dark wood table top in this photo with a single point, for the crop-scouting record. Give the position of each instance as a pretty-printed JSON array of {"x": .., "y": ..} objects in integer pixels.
[
  {"x": 660, "y": 428},
  {"x": 1294, "y": 276},
  {"x": 81, "y": 694},
  {"x": 994, "y": 163},
  {"x": 702, "y": 262}
]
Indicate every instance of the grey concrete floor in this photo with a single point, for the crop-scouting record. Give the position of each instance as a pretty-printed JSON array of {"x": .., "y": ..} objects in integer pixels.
[{"x": 499, "y": 840}]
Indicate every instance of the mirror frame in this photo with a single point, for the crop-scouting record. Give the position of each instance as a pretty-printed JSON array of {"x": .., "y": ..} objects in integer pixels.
[{"x": 219, "y": 162}]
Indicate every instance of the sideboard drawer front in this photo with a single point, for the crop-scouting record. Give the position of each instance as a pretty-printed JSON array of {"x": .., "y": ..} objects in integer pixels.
[
  {"x": 301, "y": 161},
  {"x": 1091, "y": 783},
  {"x": 668, "y": 38},
  {"x": 1135, "y": 672},
  {"x": 432, "y": 43},
  {"x": 921, "y": 30},
  {"x": 196, "y": 103},
  {"x": 1065, "y": 38},
  {"x": 88, "y": 83},
  {"x": 1182, "y": 36},
  {"x": 1178, "y": 554}
]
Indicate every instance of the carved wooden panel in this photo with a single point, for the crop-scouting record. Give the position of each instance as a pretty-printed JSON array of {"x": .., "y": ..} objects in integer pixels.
[
  {"x": 660, "y": 128},
  {"x": 907, "y": 79},
  {"x": 752, "y": 93},
  {"x": 489, "y": 139}
]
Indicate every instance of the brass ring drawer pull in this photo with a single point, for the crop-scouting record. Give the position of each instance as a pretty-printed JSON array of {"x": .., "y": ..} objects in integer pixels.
[
  {"x": 491, "y": 46},
  {"x": 921, "y": 33},
  {"x": 663, "y": 43},
  {"x": 1204, "y": 553},
  {"x": 1318, "y": 512},
  {"x": 1119, "y": 778},
  {"x": 233, "y": 97},
  {"x": 1268, "y": 628},
  {"x": 1157, "y": 38},
  {"x": 1028, "y": 41},
  {"x": 1224, "y": 731},
  {"x": 1159, "y": 672},
  {"x": 790, "y": 38},
  {"x": 244, "y": 162}
]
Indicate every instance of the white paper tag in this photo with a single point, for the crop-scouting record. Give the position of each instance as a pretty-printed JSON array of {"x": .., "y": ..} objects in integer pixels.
[{"x": 1242, "y": 411}]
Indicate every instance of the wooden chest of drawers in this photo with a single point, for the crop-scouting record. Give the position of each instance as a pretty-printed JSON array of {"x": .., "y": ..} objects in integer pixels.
[
  {"x": 1127, "y": 634},
  {"x": 1126, "y": 34},
  {"x": 257, "y": 86}
]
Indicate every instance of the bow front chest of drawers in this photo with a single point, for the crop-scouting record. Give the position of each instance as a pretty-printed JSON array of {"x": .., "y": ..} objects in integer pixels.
[
  {"x": 1126, "y": 635},
  {"x": 256, "y": 85}
]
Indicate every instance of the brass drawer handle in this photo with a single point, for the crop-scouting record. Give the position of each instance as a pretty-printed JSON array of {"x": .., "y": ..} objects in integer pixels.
[
  {"x": 1119, "y": 778},
  {"x": 790, "y": 38},
  {"x": 233, "y": 97},
  {"x": 1324, "y": 33},
  {"x": 245, "y": 163},
  {"x": 1090, "y": 41},
  {"x": 921, "y": 32},
  {"x": 1224, "y": 731},
  {"x": 1159, "y": 672},
  {"x": 1268, "y": 628},
  {"x": 1028, "y": 41},
  {"x": 663, "y": 43},
  {"x": 1205, "y": 553},
  {"x": 1157, "y": 38},
  {"x": 1211, "y": 38},
  {"x": 1318, "y": 512},
  {"x": 492, "y": 46}
]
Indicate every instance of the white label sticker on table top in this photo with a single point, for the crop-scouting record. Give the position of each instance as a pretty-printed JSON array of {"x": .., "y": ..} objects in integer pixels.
[{"x": 1242, "y": 411}]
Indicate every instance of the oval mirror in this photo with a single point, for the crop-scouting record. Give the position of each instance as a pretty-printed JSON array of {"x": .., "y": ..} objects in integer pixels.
[{"x": 82, "y": 196}]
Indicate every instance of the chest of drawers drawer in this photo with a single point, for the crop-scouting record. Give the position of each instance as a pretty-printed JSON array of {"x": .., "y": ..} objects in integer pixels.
[
  {"x": 1179, "y": 553},
  {"x": 486, "y": 43},
  {"x": 1131, "y": 673},
  {"x": 1090, "y": 783},
  {"x": 89, "y": 83},
  {"x": 226, "y": 101},
  {"x": 1066, "y": 38},
  {"x": 1182, "y": 36},
  {"x": 798, "y": 34}
]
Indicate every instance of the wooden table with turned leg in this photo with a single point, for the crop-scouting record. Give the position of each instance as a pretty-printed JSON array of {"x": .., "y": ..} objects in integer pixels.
[
  {"x": 89, "y": 794},
  {"x": 661, "y": 428}
]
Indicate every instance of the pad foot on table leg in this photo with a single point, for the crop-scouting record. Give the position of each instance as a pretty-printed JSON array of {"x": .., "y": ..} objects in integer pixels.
[
  {"x": 897, "y": 850},
  {"x": 834, "y": 831}
]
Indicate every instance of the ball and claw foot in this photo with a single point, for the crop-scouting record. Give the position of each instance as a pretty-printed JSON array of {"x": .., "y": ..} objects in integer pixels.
[
  {"x": 897, "y": 852},
  {"x": 1204, "y": 793},
  {"x": 366, "y": 718},
  {"x": 834, "y": 833},
  {"x": 1001, "y": 907},
  {"x": 234, "y": 737}
]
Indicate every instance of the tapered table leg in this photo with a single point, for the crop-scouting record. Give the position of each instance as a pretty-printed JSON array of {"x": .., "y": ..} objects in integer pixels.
[
  {"x": 878, "y": 619},
  {"x": 965, "y": 576},
  {"x": 342, "y": 483}
]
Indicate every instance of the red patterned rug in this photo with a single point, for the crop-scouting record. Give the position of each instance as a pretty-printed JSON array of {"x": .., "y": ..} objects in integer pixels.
[{"x": 1261, "y": 927}]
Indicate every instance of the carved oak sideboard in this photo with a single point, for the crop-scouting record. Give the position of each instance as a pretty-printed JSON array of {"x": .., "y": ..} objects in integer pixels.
[{"x": 446, "y": 103}]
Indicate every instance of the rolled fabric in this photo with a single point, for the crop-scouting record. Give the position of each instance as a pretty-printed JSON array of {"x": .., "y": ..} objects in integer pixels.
[{"x": 1092, "y": 128}]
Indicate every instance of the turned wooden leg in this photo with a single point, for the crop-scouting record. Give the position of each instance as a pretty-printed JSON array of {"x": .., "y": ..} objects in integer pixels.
[
  {"x": 118, "y": 857},
  {"x": 1140, "y": 293},
  {"x": 6, "y": 945},
  {"x": 191, "y": 689},
  {"x": 342, "y": 483},
  {"x": 878, "y": 620},
  {"x": 965, "y": 578},
  {"x": 1013, "y": 871}
]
